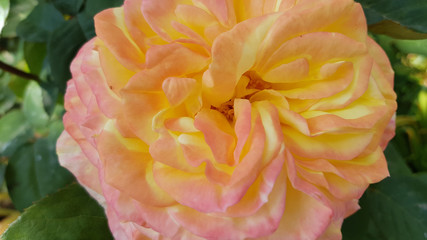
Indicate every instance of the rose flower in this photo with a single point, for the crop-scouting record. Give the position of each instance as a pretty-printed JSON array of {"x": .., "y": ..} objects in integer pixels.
[{"x": 229, "y": 119}]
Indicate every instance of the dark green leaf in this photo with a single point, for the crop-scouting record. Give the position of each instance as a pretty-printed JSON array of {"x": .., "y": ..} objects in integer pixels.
[
  {"x": 62, "y": 48},
  {"x": 95, "y": 6},
  {"x": 409, "y": 13},
  {"x": 422, "y": 177},
  {"x": 87, "y": 24},
  {"x": 34, "y": 172},
  {"x": 398, "y": 207},
  {"x": 394, "y": 209},
  {"x": 18, "y": 86},
  {"x": 19, "y": 10},
  {"x": 70, "y": 7},
  {"x": 3, "y": 166},
  {"x": 360, "y": 226},
  {"x": 21, "y": 178},
  {"x": 35, "y": 54},
  {"x": 356, "y": 226},
  {"x": 372, "y": 16},
  {"x": 69, "y": 214},
  {"x": 32, "y": 106},
  {"x": 50, "y": 95},
  {"x": 7, "y": 99},
  {"x": 396, "y": 164},
  {"x": 42, "y": 21},
  {"x": 12, "y": 125}
]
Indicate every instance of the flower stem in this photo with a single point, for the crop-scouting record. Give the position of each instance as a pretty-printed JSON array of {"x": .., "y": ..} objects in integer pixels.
[{"x": 18, "y": 72}]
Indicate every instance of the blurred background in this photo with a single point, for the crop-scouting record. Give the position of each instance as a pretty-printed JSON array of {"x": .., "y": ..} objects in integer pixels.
[{"x": 39, "y": 38}]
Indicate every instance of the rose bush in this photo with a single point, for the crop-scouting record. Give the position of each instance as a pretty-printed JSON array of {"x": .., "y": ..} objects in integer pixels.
[{"x": 229, "y": 119}]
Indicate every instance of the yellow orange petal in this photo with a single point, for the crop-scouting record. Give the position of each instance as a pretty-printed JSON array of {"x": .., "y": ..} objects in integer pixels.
[{"x": 111, "y": 29}]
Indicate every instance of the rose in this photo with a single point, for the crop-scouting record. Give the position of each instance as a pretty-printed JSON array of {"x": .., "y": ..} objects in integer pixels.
[{"x": 228, "y": 119}]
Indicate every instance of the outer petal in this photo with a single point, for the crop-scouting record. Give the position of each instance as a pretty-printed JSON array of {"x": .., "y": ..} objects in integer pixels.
[
  {"x": 262, "y": 223},
  {"x": 111, "y": 29},
  {"x": 71, "y": 157},
  {"x": 304, "y": 217},
  {"x": 345, "y": 17},
  {"x": 125, "y": 161}
]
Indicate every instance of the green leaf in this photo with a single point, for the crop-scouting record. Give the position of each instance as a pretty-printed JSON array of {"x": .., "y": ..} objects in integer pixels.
[
  {"x": 422, "y": 177},
  {"x": 3, "y": 166},
  {"x": 42, "y": 21},
  {"x": 360, "y": 226},
  {"x": 372, "y": 16},
  {"x": 35, "y": 54},
  {"x": 32, "y": 106},
  {"x": 7, "y": 99},
  {"x": 394, "y": 209},
  {"x": 4, "y": 10},
  {"x": 398, "y": 207},
  {"x": 395, "y": 30},
  {"x": 87, "y": 24},
  {"x": 409, "y": 13},
  {"x": 356, "y": 226},
  {"x": 95, "y": 6},
  {"x": 62, "y": 48},
  {"x": 70, "y": 7},
  {"x": 19, "y": 10},
  {"x": 396, "y": 164},
  {"x": 18, "y": 86},
  {"x": 412, "y": 46},
  {"x": 21, "y": 178},
  {"x": 50, "y": 95},
  {"x": 12, "y": 125},
  {"x": 34, "y": 171},
  {"x": 69, "y": 214}
]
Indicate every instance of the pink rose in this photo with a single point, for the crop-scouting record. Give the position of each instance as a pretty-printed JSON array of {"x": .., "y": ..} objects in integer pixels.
[{"x": 203, "y": 119}]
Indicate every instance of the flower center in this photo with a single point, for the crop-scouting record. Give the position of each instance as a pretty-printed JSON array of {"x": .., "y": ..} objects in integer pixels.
[
  {"x": 256, "y": 82},
  {"x": 226, "y": 109},
  {"x": 249, "y": 84}
]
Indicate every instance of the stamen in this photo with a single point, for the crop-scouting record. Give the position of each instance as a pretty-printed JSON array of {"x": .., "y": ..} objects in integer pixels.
[
  {"x": 256, "y": 82},
  {"x": 253, "y": 86},
  {"x": 226, "y": 109}
]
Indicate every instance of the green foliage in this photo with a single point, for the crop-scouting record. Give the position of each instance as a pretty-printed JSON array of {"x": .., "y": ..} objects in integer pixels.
[
  {"x": 70, "y": 7},
  {"x": 32, "y": 106},
  {"x": 35, "y": 54},
  {"x": 69, "y": 214},
  {"x": 7, "y": 99},
  {"x": 95, "y": 6},
  {"x": 33, "y": 171},
  {"x": 61, "y": 49},
  {"x": 42, "y": 21},
  {"x": 19, "y": 9},
  {"x": 12, "y": 126},
  {"x": 396, "y": 164},
  {"x": 409, "y": 13},
  {"x": 398, "y": 207},
  {"x": 394, "y": 209}
]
